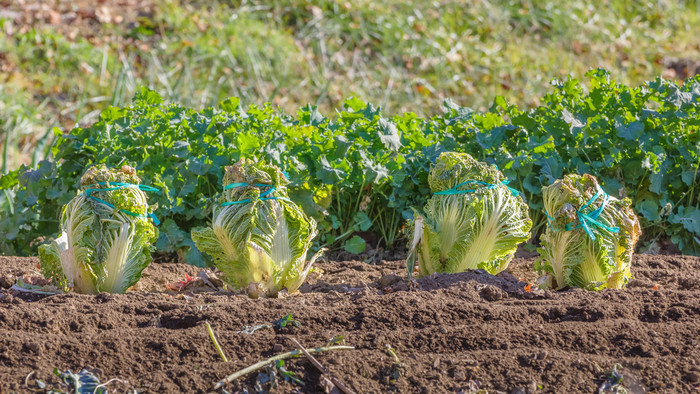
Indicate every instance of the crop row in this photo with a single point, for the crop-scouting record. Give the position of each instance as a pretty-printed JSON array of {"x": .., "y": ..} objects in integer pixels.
[{"x": 361, "y": 173}]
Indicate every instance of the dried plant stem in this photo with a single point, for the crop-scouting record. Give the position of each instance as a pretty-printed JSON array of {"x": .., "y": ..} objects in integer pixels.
[
  {"x": 282, "y": 356},
  {"x": 216, "y": 343},
  {"x": 340, "y": 385}
]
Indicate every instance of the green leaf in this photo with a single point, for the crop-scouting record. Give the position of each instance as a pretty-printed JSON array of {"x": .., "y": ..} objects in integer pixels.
[
  {"x": 649, "y": 209},
  {"x": 689, "y": 217},
  {"x": 679, "y": 98},
  {"x": 10, "y": 179},
  {"x": 630, "y": 132},
  {"x": 354, "y": 103},
  {"x": 499, "y": 103},
  {"x": 389, "y": 135},
  {"x": 551, "y": 169},
  {"x": 247, "y": 143},
  {"x": 688, "y": 177},
  {"x": 197, "y": 166},
  {"x": 311, "y": 115},
  {"x": 362, "y": 221},
  {"x": 545, "y": 146},
  {"x": 659, "y": 180},
  {"x": 342, "y": 146},
  {"x": 355, "y": 245},
  {"x": 286, "y": 321},
  {"x": 180, "y": 149},
  {"x": 147, "y": 96},
  {"x": 170, "y": 237},
  {"x": 231, "y": 104},
  {"x": 327, "y": 174}
]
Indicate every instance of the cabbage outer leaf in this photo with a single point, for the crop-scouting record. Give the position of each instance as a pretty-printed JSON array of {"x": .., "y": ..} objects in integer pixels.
[{"x": 68, "y": 258}]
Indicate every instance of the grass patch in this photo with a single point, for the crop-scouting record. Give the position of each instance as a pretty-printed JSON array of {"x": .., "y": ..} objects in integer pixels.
[{"x": 63, "y": 65}]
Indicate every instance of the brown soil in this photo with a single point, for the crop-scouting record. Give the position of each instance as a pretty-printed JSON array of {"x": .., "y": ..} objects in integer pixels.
[{"x": 452, "y": 333}]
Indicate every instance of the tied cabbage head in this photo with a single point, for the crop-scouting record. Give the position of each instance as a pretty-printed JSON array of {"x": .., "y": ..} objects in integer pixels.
[
  {"x": 572, "y": 256},
  {"x": 102, "y": 248},
  {"x": 258, "y": 238},
  {"x": 473, "y": 220}
]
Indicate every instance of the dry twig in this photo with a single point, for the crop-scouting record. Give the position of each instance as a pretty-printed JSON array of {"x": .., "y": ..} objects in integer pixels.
[
  {"x": 283, "y": 356},
  {"x": 340, "y": 385},
  {"x": 216, "y": 343}
]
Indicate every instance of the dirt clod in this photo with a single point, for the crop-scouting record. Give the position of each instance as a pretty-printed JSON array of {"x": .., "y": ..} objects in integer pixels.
[
  {"x": 7, "y": 280},
  {"x": 389, "y": 280},
  {"x": 493, "y": 293},
  {"x": 31, "y": 347},
  {"x": 692, "y": 377}
]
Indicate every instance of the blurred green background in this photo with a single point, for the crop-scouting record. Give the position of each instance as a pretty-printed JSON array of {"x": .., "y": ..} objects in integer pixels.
[{"x": 61, "y": 62}]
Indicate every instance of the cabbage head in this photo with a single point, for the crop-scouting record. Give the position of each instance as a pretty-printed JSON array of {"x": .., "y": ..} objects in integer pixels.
[
  {"x": 472, "y": 220},
  {"x": 590, "y": 237},
  {"x": 106, "y": 234},
  {"x": 258, "y": 238}
]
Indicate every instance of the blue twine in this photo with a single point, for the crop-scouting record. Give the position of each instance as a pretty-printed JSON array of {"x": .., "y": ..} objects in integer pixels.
[
  {"x": 120, "y": 185},
  {"x": 588, "y": 220},
  {"x": 455, "y": 190},
  {"x": 247, "y": 200}
]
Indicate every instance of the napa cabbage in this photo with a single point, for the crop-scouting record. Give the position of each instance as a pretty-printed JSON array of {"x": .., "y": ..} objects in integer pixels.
[
  {"x": 590, "y": 237},
  {"x": 106, "y": 234},
  {"x": 258, "y": 237},
  {"x": 473, "y": 219}
]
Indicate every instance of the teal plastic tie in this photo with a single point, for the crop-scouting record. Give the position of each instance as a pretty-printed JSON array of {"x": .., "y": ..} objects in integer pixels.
[
  {"x": 263, "y": 195},
  {"x": 588, "y": 220},
  {"x": 121, "y": 185},
  {"x": 455, "y": 189}
]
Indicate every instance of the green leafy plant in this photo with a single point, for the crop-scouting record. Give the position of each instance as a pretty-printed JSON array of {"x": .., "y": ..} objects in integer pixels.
[
  {"x": 397, "y": 369},
  {"x": 612, "y": 381},
  {"x": 590, "y": 238},
  {"x": 640, "y": 142},
  {"x": 106, "y": 234},
  {"x": 259, "y": 238},
  {"x": 361, "y": 173},
  {"x": 473, "y": 220},
  {"x": 286, "y": 321},
  {"x": 346, "y": 173}
]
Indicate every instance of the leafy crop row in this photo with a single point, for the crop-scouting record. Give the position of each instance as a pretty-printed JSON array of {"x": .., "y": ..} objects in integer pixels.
[{"x": 361, "y": 173}]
